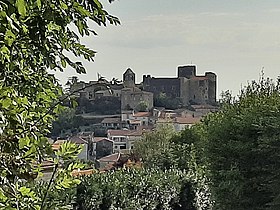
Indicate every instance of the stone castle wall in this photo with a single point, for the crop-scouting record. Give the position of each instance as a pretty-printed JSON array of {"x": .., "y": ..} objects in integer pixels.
[{"x": 192, "y": 89}]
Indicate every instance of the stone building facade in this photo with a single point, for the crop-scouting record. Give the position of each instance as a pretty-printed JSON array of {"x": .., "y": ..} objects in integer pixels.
[
  {"x": 191, "y": 88},
  {"x": 132, "y": 96},
  {"x": 188, "y": 86}
]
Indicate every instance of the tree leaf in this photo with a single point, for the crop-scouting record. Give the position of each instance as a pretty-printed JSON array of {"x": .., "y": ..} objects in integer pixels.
[
  {"x": 9, "y": 37},
  {"x": 39, "y": 4},
  {"x": 21, "y": 7},
  {"x": 63, "y": 63},
  {"x": 6, "y": 103},
  {"x": 98, "y": 4}
]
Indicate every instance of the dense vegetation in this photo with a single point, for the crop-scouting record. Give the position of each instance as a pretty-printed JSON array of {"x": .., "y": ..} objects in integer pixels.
[
  {"x": 162, "y": 100},
  {"x": 34, "y": 38},
  {"x": 105, "y": 105},
  {"x": 230, "y": 160},
  {"x": 136, "y": 189},
  {"x": 235, "y": 149},
  {"x": 241, "y": 147}
]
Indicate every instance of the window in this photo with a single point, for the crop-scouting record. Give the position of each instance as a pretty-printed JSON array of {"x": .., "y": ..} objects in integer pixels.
[
  {"x": 122, "y": 147},
  {"x": 201, "y": 82}
]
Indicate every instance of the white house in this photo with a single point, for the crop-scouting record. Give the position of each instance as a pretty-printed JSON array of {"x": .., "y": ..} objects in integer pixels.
[{"x": 124, "y": 139}]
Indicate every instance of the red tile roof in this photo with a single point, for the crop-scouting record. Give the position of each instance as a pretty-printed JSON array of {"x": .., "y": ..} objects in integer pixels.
[
  {"x": 110, "y": 158},
  {"x": 187, "y": 120},
  {"x": 83, "y": 172},
  {"x": 124, "y": 133},
  {"x": 102, "y": 139},
  {"x": 56, "y": 144},
  {"x": 142, "y": 114},
  {"x": 77, "y": 140}
]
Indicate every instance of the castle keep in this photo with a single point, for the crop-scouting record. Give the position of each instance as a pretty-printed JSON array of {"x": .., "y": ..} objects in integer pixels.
[
  {"x": 132, "y": 96},
  {"x": 187, "y": 86},
  {"x": 192, "y": 89}
]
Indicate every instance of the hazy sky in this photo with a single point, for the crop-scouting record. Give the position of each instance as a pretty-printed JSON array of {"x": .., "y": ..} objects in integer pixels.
[{"x": 233, "y": 38}]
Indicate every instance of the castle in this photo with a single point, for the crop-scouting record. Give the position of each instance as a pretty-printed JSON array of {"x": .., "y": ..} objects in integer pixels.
[
  {"x": 187, "y": 86},
  {"x": 132, "y": 96}
]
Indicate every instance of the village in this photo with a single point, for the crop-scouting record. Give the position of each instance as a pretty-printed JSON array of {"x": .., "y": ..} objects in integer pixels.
[{"x": 137, "y": 112}]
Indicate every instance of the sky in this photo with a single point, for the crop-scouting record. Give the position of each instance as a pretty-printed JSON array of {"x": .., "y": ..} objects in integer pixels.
[{"x": 236, "y": 39}]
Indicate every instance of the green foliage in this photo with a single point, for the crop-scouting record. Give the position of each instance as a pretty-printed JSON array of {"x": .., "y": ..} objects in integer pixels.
[
  {"x": 155, "y": 148},
  {"x": 142, "y": 106},
  {"x": 242, "y": 144},
  {"x": 136, "y": 189},
  {"x": 66, "y": 120},
  {"x": 165, "y": 149},
  {"x": 103, "y": 105},
  {"x": 168, "y": 102},
  {"x": 34, "y": 37}
]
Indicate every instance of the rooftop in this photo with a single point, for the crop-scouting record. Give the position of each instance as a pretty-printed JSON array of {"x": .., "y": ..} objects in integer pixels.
[
  {"x": 142, "y": 114},
  {"x": 110, "y": 158},
  {"x": 187, "y": 120},
  {"x": 124, "y": 133},
  {"x": 77, "y": 140},
  {"x": 103, "y": 139},
  {"x": 111, "y": 120}
]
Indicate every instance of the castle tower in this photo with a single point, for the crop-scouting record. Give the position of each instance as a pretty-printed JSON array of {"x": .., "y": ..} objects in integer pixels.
[
  {"x": 129, "y": 78},
  {"x": 187, "y": 71},
  {"x": 212, "y": 86}
]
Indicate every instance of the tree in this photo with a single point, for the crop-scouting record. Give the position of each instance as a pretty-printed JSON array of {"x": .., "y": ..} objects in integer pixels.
[
  {"x": 241, "y": 144},
  {"x": 66, "y": 120},
  {"x": 164, "y": 149},
  {"x": 155, "y": 148},
  {"x": 135, "y": 189},
  {"x": 162, "y": 100},
  {"x": 142, "y": 106},
  {"x": 34, "y": 37}
]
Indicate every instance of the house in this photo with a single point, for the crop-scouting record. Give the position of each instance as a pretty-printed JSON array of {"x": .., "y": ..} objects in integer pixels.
[
  {"x": 124, "y": 139},
  {"x": 109, "y": 161},
  {"x": 86, "y": 142},
  {"x": 113, "y": 123},
  {"x": 180, "y": 123},
  {"x": 143, "y": 117},
  {"x": 136, "y": 119},
  {"x": 103, "y": 147},
  {"x": 84, "y": 154},
  {"x": 205, "y": 109}
]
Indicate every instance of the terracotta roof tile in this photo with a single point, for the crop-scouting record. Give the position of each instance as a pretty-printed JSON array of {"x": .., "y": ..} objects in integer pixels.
[
  {"x": 103, "y": 139},
  {"x": 77, "y": 140},
  {"x": 110, "y": 158},
  {"x": 83, "y": 172},
  {"x": 142, "y": 114},
  {"x": 187, "y": 120},
  {"x": 124, "y": 133}
]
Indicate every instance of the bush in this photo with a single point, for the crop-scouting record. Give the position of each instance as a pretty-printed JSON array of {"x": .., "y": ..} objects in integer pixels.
[
  {"x": 242, "y": 144},
  {"x": 137, "y": 189}
]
